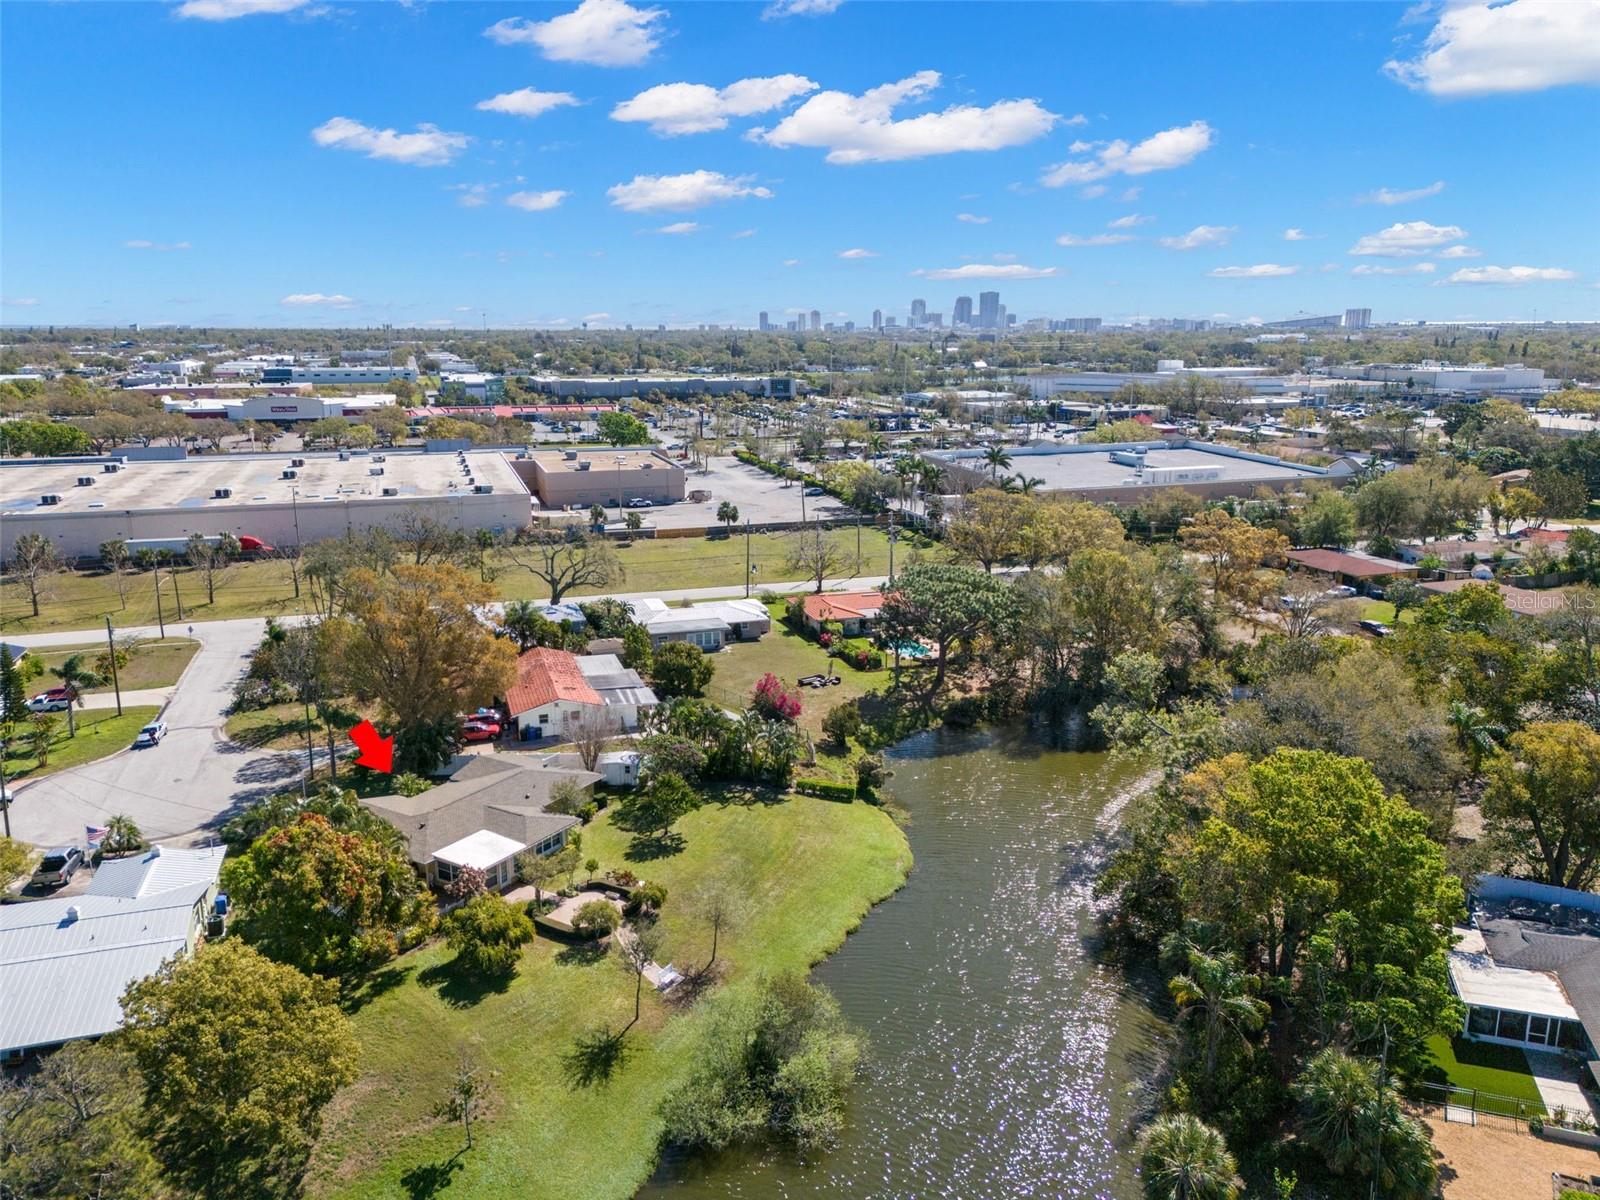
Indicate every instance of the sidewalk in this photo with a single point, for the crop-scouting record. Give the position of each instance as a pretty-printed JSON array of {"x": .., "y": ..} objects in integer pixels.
[
  {"x": 1557, "y": 1080},
  {"x": 136, "y": 696}
]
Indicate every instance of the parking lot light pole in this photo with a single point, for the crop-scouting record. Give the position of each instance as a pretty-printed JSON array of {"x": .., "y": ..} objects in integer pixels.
[
  {"x": 161, "y": 621},
  {"x": 747, "y": 558},
  {"x": 111, "y": 651}
]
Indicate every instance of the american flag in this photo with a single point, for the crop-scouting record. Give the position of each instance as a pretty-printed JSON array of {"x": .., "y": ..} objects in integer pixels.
[{"x": 94, "y": 835}]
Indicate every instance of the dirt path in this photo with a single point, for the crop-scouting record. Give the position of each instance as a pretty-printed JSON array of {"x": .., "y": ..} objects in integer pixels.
[{"x": 1483, "y": 1163}]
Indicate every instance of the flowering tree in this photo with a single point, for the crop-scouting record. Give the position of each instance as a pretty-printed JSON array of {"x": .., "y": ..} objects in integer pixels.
[
  {"x": 773, "y": 702},
  {"x": 469, "y": 882}
]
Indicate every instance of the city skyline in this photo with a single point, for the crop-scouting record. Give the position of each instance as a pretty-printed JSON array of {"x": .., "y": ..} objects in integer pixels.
[{"x": 610, "y": 164}]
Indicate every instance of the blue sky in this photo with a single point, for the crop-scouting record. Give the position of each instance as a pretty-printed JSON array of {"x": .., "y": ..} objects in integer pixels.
[{"x": 318, "y": 162}]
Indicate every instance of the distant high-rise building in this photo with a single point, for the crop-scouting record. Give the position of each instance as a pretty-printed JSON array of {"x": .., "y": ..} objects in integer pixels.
[
  {"x": 919, "y": 310},
  {"x": 890, "y": 322},
  {"x": 1079, "y": 324},
  {"x": 877, "y": 318},
  {"x": 1357, "y": 318},
  {"x": 933, "y": 320},
  {"x": 816, "y": 319},
  {"x": 988, "y": 309},
  {"x": 1003, "y": 319},
  {"x": 963, "y": 313},
  {"x": 761, "y": 323}
]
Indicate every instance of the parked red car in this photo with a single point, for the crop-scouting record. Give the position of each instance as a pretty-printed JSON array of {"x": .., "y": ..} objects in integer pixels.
[{"x": 479, "y": 731}]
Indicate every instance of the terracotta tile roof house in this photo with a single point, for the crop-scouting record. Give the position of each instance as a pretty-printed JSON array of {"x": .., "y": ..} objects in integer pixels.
[
  {"x": 483, "y": 794},
  {"x": 545, "y": 676},
  {"x": 854, "y": 610},
  {"x": 1350, "y": 565}
]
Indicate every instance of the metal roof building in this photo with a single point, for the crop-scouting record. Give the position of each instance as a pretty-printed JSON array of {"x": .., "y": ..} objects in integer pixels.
[{"x": 65, "y": 962}]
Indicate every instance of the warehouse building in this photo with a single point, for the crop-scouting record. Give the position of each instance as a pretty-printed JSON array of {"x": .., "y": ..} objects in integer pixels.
[
  {"x": 580, "y": 478},
  {"x": 279, "y": 409},
  {"x": 678, "y": 387},
  {"x": 1127, "y": 472},
  {"x": 282, "y": 499}
]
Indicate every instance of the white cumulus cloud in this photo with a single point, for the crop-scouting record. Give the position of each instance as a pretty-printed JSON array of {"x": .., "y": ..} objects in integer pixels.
[
  {"x": 317, "y": 300},
  {"x": 536, "y": 201},
  {"x": 1294, "y": 235},
  {"x": 526, "y": 102},
  {"x": 1162, "y": 151},
  {"x": 429, "y": 146},
  {"x": 21, "y": 301},
  {"x": 1389, "y": 196},
  {"x": 1421, "y": 268},
  {"x": 858, "y": 252},
  {"x": 1460, "y": 252},
  {"x": 163, "y": 247},
  {"x": 602, "y": 33},
  {"x": 677, "y": 108},
  {"x": 1513, "y": 275},
  {"x": 779, "y": 9},
  {"x": 678, "y": 193},
  {"x": 1407, "y": 239},
  {"x": 1482, "y": 48},
  {"x": 1094, "y": 239},
  {"x": 1131, "y": 221},
  {"x": 232, "y": 10},
  {"x": 1001, "y": 271},
  {"x": 1201, "y": 236},
  {"x": 679, "y": 228},
  {"x": 1259, "y": 271},
  {"x": 857, "y": 129},
  {"x": 971, "y": 219}
]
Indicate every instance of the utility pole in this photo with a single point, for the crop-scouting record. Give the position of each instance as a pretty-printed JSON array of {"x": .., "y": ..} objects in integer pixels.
[
  {"x": 161, "y": 621},
  {"x": 894, "y": 536},
  {"x": 177, "y": 596},
  {"x": 747, "y": 558},
  {"x": 111, "y": 649}
]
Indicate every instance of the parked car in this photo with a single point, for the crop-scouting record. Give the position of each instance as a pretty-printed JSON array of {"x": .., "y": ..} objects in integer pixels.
[
  {"x": 816, "y": 491},
  {"x": 488, "y": 716},
  {"x": 55, "y": 700},
  {"x": 478, "y": 731},
  {"x": 641, "y": 502},
  {"x": 151, "y": 734},
  {"x": 1376, "y": 628},
  {"x": 57, "y": 867},
  {"x": 1342, "y": 591}
]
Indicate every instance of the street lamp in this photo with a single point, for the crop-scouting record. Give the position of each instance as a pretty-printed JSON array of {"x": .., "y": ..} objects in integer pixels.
[{"x": 621, "y": 458}]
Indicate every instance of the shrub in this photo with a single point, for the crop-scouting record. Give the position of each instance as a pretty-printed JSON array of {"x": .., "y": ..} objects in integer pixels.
[
  {"x": 773, "y": 702},
  {"x": 625, "y": 877},
  {"x": 487, "y": 935},
  {"x": 650, "y": 896},
  {"x": 469, "y": 882},
  {"x": 870, "y": 773},
  {"x": 408, "y": 784},
  {"x": 826, "y": 789},
  {"x": 596, "y": 919},
  {"x": 842, "y": 722}
]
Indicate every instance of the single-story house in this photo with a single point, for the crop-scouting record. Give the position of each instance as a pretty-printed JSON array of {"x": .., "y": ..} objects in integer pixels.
[
  {"x": 569, "y": 615},
  {"x": 856, "y": 612},
  {"x": 488, "y": 810},
  {"x": 1457, "y": 554},
  {"x": 617, "y": 768},
  {"x": 1351, "y": 567},
  {"x": 709, "y": 625},
  {"x": 1525, "y": 602},
  {"x": 65, "y": 961},
  {"x": 556, "y": 687},
  {"x": 1528, "y": 967}
]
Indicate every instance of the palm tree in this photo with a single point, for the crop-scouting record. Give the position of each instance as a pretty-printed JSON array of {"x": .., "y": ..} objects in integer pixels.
[
  {"x": 876, "y": 444},
  {"x": 1475, "y": 733},
  {"x": 75, "y": 676},
  {"x": 1222, "y": 997},
  {"x": 1337, "y": 1093},
  {"x": 1183, "y": 1158},
  {"x": 122, "y": 835},
  {"x": 728, "y": 513},
  {"x": 998, "y": 460},
  {"x": 1028, "y": 484}
]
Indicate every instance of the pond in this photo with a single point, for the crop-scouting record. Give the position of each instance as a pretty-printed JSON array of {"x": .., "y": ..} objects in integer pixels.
[{"x": 1005, "y": 1061}]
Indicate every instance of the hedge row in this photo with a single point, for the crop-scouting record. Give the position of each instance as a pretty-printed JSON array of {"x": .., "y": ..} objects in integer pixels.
[{"x": 826, "y": 789}]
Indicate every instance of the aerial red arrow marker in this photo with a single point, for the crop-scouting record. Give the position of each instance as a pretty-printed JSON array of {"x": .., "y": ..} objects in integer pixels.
[{"x": 376, "y": 752}]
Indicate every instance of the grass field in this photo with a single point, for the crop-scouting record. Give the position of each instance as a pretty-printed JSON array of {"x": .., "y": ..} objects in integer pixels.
[
  {"x": 151, "y": 664},
  {"x": 1484, "y": 1067},
  {"x": 100, "y": 732},
  {"x": 811, "y": 871},
  {"x": 83, "y": 599}
]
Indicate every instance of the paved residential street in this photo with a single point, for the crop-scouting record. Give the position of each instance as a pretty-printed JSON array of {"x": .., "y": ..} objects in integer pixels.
[{"x": 178, "y": 791}]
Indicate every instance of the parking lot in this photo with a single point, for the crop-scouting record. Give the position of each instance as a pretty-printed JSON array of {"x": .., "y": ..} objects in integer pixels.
[{"x": 762, "y": 499}]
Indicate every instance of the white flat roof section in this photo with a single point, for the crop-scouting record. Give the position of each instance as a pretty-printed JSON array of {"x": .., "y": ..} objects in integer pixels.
[
  {"x": 482, "y": 850},
  {"x": 1479, "y": 981}
]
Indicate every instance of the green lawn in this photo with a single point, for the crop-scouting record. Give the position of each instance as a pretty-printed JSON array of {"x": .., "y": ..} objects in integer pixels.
[
  {"x": 83, "y": 599},
  {"x": 100, "y": 732},
  {"x": 151, "y": 664},
  {"x": 1382, "y": 610},
  {"x": 814, "y": 868},
  {"x": 1485, "y": 1068}
]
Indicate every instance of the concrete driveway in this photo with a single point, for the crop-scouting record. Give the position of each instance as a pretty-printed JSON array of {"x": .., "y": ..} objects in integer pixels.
[{"x": 179, "y": 791}]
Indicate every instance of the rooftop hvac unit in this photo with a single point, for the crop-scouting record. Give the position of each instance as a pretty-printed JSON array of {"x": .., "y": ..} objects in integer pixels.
[
  {"x": 646, "y": 466},
  {"x": 291, "y": 474},
  {"x": 569, "y": 455},
  {"x": 110, "y": 468},
  {"x": 85, "y": 480},
  {"x": 380, "y": 458},
  {"x": 222, "y": 494},
  {"x": 483, "y": 489},
  {"x": 391, "y": 491},
  {"x": 297, "y": 462},
  {"x": 374, "y": 470},
  {"x": 585, "y": 465},
  {"x": 344, "y": 456},
  {"x": 50, "y": 498}
]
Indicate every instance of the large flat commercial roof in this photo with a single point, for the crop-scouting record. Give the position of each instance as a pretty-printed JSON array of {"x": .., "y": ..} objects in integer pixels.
[
  {"x": 1090, "y": 468},
  {"x": 191, "y": 483},
  {"x": 601, "y": 460}
]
